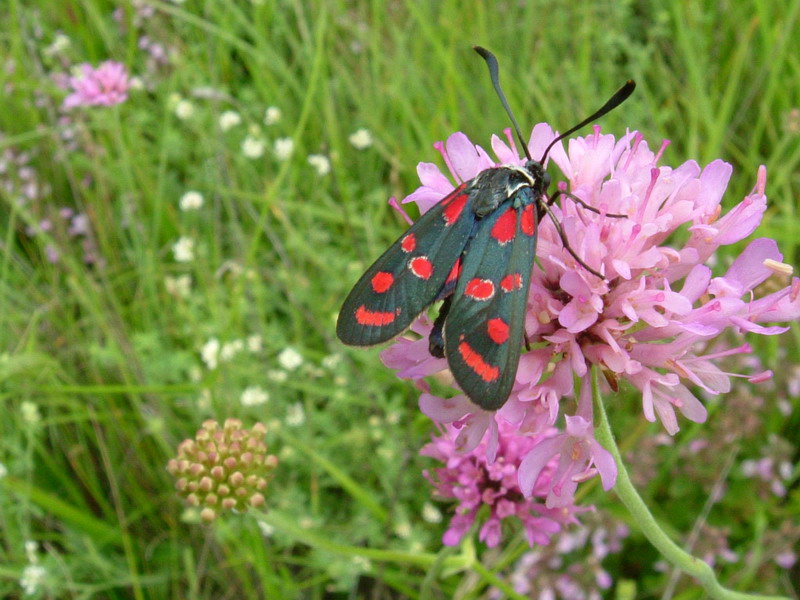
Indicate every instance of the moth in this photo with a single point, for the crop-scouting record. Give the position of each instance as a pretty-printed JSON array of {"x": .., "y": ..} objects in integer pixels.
[{"x": 474, "y": 250}]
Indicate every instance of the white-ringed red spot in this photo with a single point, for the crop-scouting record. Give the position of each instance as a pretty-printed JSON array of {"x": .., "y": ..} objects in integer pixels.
[
  {"x": 382, "y": 281},
  {"x": 376, "y": 318},
  {"x": 475, "y": 362},
  {"x": 528, "y": 224},
  {"x": 497, "y": 330},
  {"x": 479, "y": 289},
  {"x": 505, "y": 228},
  {"x": 409, "y": 243},
  {"x": 454, "y": 208},
  {"x": 511, "y": 282},
  {"x": 421, "y": 267}
]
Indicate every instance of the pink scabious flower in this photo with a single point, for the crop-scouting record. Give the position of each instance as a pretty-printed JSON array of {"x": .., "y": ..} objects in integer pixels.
[
  {"x": 657, "y": 318},
  {"x": 106, "y": 85},
  {"x": 473, "y": 480}
]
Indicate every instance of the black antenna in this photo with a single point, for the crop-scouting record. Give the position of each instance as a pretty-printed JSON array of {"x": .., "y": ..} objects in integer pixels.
[
  {"x": 613, "y": 102},
  {"x": 494, "y": 73}
]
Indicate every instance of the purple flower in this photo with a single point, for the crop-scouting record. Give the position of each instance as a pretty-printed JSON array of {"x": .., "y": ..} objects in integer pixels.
[
  {"x": 474, "y": 481},
  {"x": 106, "y": 85},
  {"x": 580, "y": 458},
  {"x": 654, "y": 321},
  {"x": 572, "y": 567}
]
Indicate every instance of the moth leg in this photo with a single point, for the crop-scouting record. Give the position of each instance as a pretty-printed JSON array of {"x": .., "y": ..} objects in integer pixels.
[
  {"x": 436, "y": 339},
  {"x": 552, "y": 200},
  {"x": 565, "y": 241}
]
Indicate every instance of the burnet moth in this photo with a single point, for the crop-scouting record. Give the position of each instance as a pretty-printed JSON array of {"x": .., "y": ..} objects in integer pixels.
[{"x": 474, "y": 250}]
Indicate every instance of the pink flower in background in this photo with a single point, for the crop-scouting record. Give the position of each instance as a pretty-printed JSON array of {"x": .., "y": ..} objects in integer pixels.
[
  {"x": 474, "y": 481},
  {"x": 106, "y": 85},
  {"x": 656, "y": 319}
]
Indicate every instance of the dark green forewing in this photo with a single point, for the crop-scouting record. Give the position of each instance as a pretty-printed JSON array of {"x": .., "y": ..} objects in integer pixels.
[{"x": 409, "y": 275}]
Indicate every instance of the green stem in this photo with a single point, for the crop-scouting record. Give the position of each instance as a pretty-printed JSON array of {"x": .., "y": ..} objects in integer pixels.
[{"x": 684, "y": 561}]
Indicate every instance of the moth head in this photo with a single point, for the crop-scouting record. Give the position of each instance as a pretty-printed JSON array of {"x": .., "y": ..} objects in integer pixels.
[{"x": 538, "y": 174}]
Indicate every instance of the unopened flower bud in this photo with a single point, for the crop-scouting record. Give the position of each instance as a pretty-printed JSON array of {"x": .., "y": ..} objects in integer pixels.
[{"x": 225, "y": 467}]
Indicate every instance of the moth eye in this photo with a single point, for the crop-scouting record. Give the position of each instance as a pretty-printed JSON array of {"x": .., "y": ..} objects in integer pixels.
[{"x": 546, "y": 181}]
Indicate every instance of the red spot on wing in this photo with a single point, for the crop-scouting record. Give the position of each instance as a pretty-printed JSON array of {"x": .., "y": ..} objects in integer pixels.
[
  {"x": 454, "y": 208},
  {"x": 454, "y": 272},
  {"x": 421, "y": 267},
  {"x": 498, "y": 330},
  {"x": 528, "y": 220},
  {"x": 475, "y": 362},
  {"x": 505, "y": 228},
  {"x": 375, "y": 318},
  {"x": 453, "y": 195},
  {"x": 382, "y": 281},
  {"x": 511, "y": 282},
  {"x": 479, "y": 289},
  {"x": 409, "y": 243}
]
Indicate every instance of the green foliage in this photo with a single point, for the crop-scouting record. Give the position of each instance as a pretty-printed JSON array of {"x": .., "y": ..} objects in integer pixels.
[{"x": 109, "y": 352}]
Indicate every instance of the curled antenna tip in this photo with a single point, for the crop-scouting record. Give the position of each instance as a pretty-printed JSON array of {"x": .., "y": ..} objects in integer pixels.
[{"x": 494, "y": 73}]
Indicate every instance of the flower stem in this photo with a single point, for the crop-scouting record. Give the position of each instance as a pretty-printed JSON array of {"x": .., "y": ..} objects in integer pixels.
[{"x": 684, "y": 561}]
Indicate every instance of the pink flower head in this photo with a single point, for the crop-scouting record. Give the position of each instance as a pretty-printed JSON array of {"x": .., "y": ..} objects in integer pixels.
[
  {"x": 474, "y": 481},
  {"x": 656, "y": 318},
  {"x": 106, "y": 85}
]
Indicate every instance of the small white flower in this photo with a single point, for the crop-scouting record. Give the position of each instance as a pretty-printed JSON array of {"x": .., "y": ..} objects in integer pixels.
[
  {"x": 60, "y": 43},
  {"x": 209, "y": 353},
  {"x": 277, "y": 375},
  {"x": 403, "y": 529},
  {"x": 320, "y": 162},
  {"x": 253, "y": 147},
  {"x": 332, "y": 361},
  {"x": 283, "y": 148},
  {"x": 30, "y": 412},
  {"x": 180, "y": 286},
  {"x": 254, "y": 396},
  {"x": 31, "y": 548},
  {"x": 361, "y": 139},
  {"x": 195, "y": 374},
  {"x": 32, "y": 577},
  {"x": 229, "y": 119},
  {"x": 191, "y": 200},
  {"x": 184, "y": 110},
  {"x": 272, "y": 115},
  {"x": 183, "y": 249},
  {"x": 290, "y": 359},
  {"x": 254, "y": 343},
  {"x": 431, "y": 514},
  {"x": 230, "y": 349},
  {"x": 295, "y": 415},
  {"x": 266, "y": 529}
]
